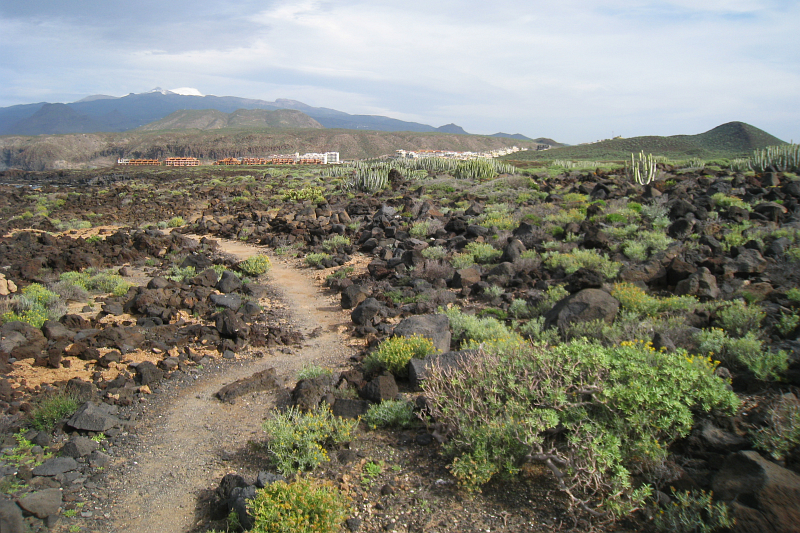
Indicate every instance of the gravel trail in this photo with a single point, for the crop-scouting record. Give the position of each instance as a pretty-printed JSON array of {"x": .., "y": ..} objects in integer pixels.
[{"x": 185, "y": 445}]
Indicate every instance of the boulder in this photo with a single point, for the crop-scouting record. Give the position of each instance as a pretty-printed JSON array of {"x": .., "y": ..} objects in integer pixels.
[
  {"x": 148, "y": 374},
  {"x": 231, "y": 326},
  {"x": 228, "y": 301},
  {"x": 366, "y": 312},
  {"x": 584, "y": 306},
  {"x": 512, "y": 251},
  {"x": 309, "y": 393},
  {"x": 381, "y": 388},
  {"x": 42, "y": 503},
  {"x": 353, "y": 295},
  {"x": 466, "y": 277},
  {"x": 766, "y": 496},
  {"x": 346, "y": 408},
  {"x": 433, "y": 327},
  {"x": 260, "y": 381},
  {"x": 702, "y": 284},
  {"x": 78, "y": 446},
  {"x": 228, "y": 282},
  {"x": 11, "y": 520},
  {"x": 748, "y": 261},
  {"x": 95, "y": 417},
  {"x": 55, "y": 466}
]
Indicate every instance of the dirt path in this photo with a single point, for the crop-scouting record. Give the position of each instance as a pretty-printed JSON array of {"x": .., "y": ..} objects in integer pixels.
[{"x": 189, "y": 445}]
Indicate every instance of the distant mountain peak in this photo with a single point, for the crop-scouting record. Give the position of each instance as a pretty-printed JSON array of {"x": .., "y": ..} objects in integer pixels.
[
  {"x": 452, "y": 128},
  {"x": 186, "y": 91}
]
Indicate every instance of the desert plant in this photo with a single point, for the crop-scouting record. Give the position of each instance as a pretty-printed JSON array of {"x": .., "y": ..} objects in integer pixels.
[
  {"x": 175, "y": 222},
  {"x": 394, "y": 354},
  {"x": 390, "y": 413},
  {"x": 616, "y": 408},
  {"x": 738, "y": 317},
  {"x": 693, "y": 512},
  {"x": 312, "y": 371},
  {"x": 483, "y": 252},
  {"x": 35, "y": 305},
  {"x": 255, "y": 265},
  {"x": 578, "y": 258},
  {"x": 434, "y": 253},
  {"x": 335, "y": 242},
  {"x": 784, "y": 158},
  {"x": 297, "y": 440},
  {"x": 782, "y": 430},
  {"x": 303, "y": 506},
  {"x": 643, "y": 169},
  {"x": 51, "y": 409},
  {"x": 316, "y": 259}
]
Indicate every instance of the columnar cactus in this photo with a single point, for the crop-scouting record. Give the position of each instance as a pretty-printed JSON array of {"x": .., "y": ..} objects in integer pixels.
[{"x": 642, "y": 170}]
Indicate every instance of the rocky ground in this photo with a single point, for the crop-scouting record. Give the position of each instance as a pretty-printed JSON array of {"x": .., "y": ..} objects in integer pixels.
[{"x": 152, "y": 440}]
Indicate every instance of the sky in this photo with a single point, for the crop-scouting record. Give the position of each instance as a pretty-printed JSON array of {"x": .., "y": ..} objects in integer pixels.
[{"x": 571, "y": 70}]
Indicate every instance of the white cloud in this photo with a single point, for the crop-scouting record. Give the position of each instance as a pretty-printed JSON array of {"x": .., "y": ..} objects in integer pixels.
[{"x": 574, "y": 70}]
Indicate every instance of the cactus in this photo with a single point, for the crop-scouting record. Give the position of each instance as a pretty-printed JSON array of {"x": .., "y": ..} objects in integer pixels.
[
  {"x": 784, "y": 158},
  {"x": 642, "y": 170},
  {"x": 740, "y": 164}
]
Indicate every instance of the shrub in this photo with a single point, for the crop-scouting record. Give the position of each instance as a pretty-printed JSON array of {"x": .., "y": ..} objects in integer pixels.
[
  {"x": 391, "y": 413},
  {"x": 693, "y": 512},
  {"x": 782, "y": 432},
  {"x": 175, "y": 222},
  {"x": 482, "y": 252},
  {"x": 394, "y": 354},
  {"x": 738, "y": 318},
  {"x": 588, "y": 259},
  {"x": 745, "y": 352},
  {"x": 304, "y": 506},
  {"x": 616, "y": 408},
  {"x": 335, "y": 242},
  {"x": 52, "y": 409},
  {"x": 315, "y": 194},
  {"x": 633, "y": 298},
  {"x": 296, "y": 440},
  {"x": 316, "y": 259},
  {"x": 419, "y": 229},
  {"x": 472, "y": 331},
  {"x": 312, "y": 371},
  {"x": 35, "y": 305},
  {"x": 176, "y": 273},
  {"x": 255, "y": 265},
  {"x": 460, "y": 261},
  {"x": 434, "y": 253}
]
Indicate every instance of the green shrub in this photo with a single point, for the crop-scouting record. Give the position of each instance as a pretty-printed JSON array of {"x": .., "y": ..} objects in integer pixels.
[
  {"x": 297, "y": 440},
  {"x": 176, "y": 273},
  {"x": 315, "y": 194},
  {"x": 693, "y": 512},
  {"x": 782, "y": 430},
  {"x": 52, "y": 409},
  {"x": 304, "y": 506},
  {"x": 390, "y": 413},
  {"x": 34, "y": 305},
  {"x": 794, "y": 295},
  {"x": 460, "y": 261},
  {"x": 633, "y": 298},
  {"x": 175, "y": 222},
  {"x": 745, "y": 352},
  {"x": 419, "y": 229},
  {"x": 482, "y": 252},
  {"x": 312, "y": 371},
  {"x": 738, "y": 318},
  {"x": 589, "y": 259},
  {"x": 394, "y": 354},
  {"x": 616, "y": 409},
  {"x": 332, "y": 244},
  {"x": 434, "y": 253},
  {"x": 255, "y": 265},
  {"x": 472, "y": 331},
  {"x": 316, "y": 259}
]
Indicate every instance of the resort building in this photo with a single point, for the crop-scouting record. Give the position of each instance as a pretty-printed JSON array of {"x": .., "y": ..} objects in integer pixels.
[
  {"x": 182, "y": 162},
  {"x": 138, "y": 162}
]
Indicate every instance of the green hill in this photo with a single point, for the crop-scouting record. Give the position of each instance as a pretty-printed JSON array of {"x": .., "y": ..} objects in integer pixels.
[
  {"x": 734, "y": 139},
  {"x": 212, "y": 119}
]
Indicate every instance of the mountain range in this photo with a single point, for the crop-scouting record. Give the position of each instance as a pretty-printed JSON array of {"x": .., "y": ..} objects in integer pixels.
[{"x": 103, "y": 113}]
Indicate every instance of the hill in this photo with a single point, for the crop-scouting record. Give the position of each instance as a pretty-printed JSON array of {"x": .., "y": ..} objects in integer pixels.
[
  {"x": 101, "y": 113},
  {"x": 733, "y": 139},
  {"x": 211, "y": 119},
  {"x": 102, "y": 149}
]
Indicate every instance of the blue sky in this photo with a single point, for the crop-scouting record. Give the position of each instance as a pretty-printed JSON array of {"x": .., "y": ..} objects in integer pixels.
[{"x": 572, "y": 70}]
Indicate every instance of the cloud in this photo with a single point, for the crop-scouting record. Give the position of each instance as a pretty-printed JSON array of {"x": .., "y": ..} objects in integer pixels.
[{"x": 573, "y": 70}]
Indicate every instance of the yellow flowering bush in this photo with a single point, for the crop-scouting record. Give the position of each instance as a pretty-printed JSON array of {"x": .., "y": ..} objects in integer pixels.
[
  {"x": 304, "y": 506},
  {"x": 395, "y": 353},
  {"x": 297, "y": 440},
  {"x": 255, "y": 265}
]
